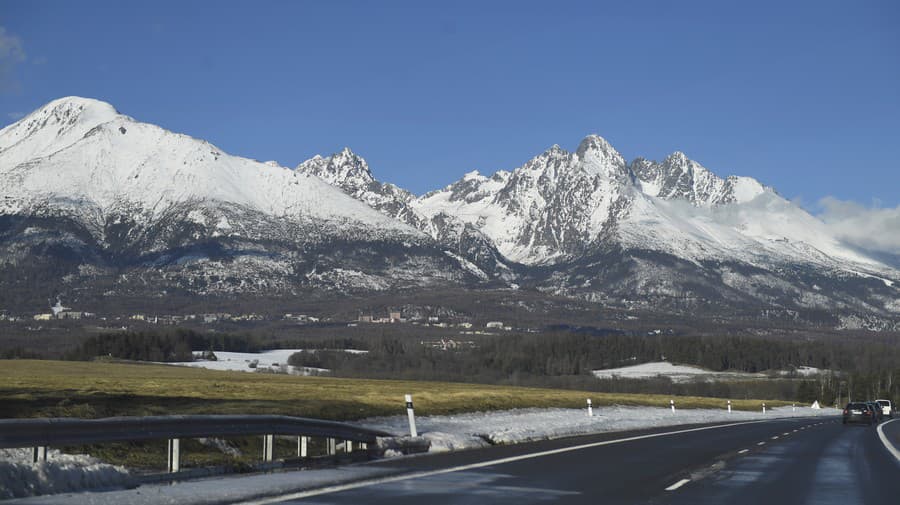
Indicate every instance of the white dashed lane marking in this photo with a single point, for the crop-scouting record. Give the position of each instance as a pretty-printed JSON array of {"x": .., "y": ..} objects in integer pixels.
[{"x": 678, "y": 484}]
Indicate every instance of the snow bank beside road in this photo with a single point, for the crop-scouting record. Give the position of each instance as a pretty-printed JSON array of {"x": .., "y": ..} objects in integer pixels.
[
  {"x": 480, "y": 429},
  {"x": 59, "y": 474}
]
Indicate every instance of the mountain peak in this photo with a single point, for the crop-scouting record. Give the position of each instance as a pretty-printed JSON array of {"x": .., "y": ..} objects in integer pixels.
[
  {"x": 594, "y": 142},
  {"x": 597, "y": 156},
  {"x": 52, "y": 127},
  {"x": 677, "y": 157},
  {"x": 79, "y": 102},
  {"x": 344, "y": 169}
]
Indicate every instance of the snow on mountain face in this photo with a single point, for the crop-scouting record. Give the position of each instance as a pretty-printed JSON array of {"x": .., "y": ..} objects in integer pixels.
[
  {"x": 585, "y": 223},
  {"x": 92, "y": 195},
  {"x": 350, "y": 172},
  {"x": 678, "y": 177},
  {"x": 551, "y": 209},
  {"x": 560, "y": 205},
  {"x": 78, "y": 153},
  {"x": 55, "y": 126}
]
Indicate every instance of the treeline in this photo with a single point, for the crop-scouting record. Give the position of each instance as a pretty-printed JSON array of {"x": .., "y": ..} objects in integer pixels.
[
  {"x": 866, "y": 369},
  {"x": 863, "y": 368},
  {"x": 573, "y": 354},
  {"x": 173, "y": 346}
]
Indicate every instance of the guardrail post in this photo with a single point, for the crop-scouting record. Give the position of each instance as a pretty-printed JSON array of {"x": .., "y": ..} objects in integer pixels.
[
  {"x": 174, "y": 457},
  {"x": 39, "y": 454},
  {"x": 590, "y": 408},
  {"x": 302, "y": 443},
  {"x": 331, "y": 447},
  {"x": 412, "y": 416},
  {"x": 729, "y": 406},
  {"x": 348, "y": 446},
  {"x": 268, "y": 449}
]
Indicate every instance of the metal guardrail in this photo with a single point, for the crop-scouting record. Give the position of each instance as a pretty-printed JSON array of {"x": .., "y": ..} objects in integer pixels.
[{"x": 64, "y": 431}]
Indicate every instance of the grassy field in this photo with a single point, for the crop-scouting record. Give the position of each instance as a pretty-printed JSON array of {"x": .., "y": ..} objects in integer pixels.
[{"x": 31, "y": 388}]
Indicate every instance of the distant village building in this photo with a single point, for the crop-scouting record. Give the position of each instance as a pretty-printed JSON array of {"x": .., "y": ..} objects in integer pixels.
[
  {"x": 394, "y": 317},
  {"x": 43, "y": 317},
  {"x": 494, "y": 325},
  {"x": 365, "y": 318},
  {"x": 58, "y": 308}
]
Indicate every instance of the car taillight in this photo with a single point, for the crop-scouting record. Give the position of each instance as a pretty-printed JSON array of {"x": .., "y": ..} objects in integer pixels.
[{"x": 845, "y": 411}]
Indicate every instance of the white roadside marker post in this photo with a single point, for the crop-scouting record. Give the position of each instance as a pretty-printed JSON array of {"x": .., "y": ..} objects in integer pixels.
[
  {"x": 268, "y": 447},
  {"x": 672, "y": 404},
  {"x": 174, "y": 457},
  {"x": 412, "y": 417},
  {"x": 793, "y": 408},
  {"x": 302, "y": 446},
  {"x": 590, "y": 408},
  {"x": 729, "y": 406},
  {"x": 764, "y": 407},
  {"x": 39, "y": 454}
]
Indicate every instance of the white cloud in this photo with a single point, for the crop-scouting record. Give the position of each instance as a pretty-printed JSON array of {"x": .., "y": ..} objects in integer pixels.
[
  {"x": 12, "y": 53},
  {"x": 874, "y": 228}
]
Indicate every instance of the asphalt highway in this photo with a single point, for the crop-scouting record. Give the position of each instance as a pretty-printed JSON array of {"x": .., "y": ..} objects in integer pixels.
[{"x": 796, "y": 461}]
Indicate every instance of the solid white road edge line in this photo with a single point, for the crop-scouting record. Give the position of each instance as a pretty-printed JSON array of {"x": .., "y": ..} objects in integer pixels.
[
  {"x": 418, "y": 475},
  {"x": 678, "y": 484},
  {"x": 887, "y": 443}
]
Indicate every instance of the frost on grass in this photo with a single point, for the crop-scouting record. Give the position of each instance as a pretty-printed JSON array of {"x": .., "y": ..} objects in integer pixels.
[{"x": 61, "y": 473}]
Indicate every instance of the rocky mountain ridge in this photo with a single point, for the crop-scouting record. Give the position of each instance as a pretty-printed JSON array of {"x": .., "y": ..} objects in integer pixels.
[{"x": 92, "y": 199}]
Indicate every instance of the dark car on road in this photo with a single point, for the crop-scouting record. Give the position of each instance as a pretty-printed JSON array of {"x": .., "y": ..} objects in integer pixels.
[
  {"x": 876, "y": 411},
  {"x": 859, "y": 413}
]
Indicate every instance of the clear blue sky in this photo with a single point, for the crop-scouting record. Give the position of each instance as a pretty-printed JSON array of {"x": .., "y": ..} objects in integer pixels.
[{"x": 804, "y": 96}]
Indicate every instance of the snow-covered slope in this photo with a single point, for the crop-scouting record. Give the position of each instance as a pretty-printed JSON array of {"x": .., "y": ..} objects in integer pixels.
[
  {"x": 88, "y": 194},
  {"x": 103, "y": 191},
  {"x": 590, "y": 224},
  {"x": 560, "y": 205},
  {"x": 350, "y": 172},
  {"x": 102, "y": 160},
  {"x": 551, "y": 209}
]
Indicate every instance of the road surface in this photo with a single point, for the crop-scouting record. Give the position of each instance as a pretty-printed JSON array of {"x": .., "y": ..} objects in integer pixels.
[{"x": 796, "y": 461}]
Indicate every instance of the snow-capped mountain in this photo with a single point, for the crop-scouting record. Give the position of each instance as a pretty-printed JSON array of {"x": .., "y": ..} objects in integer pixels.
[
  {"x": 350, "y": 172},
  {"x": 113, "y": 193},
  {"x": 95, "y": 200},
  {"x": 101, "y": 160},
  {"x": 590, "y": 224}
]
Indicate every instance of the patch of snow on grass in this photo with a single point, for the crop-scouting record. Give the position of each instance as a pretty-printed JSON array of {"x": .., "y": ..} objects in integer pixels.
[
  {"x": 678, "y": 373},
  {"x": 242, "y": 361}
]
